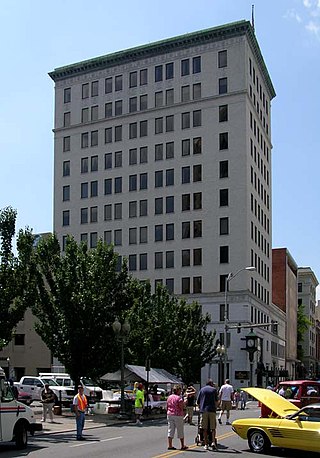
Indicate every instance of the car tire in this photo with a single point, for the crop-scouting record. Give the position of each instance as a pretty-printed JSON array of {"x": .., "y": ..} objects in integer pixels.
[
  {"x": 258, "y": 441},
  {"x": 21, "y": 436}
]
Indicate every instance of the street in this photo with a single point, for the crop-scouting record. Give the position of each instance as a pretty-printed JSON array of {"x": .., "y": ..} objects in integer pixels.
[{"x": 129, "y": 440}]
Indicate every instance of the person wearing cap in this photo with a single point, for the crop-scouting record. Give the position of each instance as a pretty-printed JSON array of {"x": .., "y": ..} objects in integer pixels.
[
  {"x": 80, "y": 405},
  {"x": 208, "y": 402},
  {"x": 47, "y": 399},
  {"x": 139, "y": 403},
  {"x": 190, "y": 397}
]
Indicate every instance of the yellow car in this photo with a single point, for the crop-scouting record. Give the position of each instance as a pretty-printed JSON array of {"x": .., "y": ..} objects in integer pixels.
[{"x": 287, "y": 426}]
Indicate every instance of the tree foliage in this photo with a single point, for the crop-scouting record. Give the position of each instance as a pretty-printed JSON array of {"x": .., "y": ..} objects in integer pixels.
[
  {"x": 79, "y": 294},
  {"x": 16, "y": 275},
  {"x": 172, "y": 332},
  {"x": 303, "y": 324}
]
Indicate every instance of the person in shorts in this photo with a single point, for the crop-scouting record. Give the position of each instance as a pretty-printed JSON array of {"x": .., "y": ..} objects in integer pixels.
[
  {"x": 139, "y": 403},
  {"x": 208, "y": 401},
  {"x": 226, "y": 398}
]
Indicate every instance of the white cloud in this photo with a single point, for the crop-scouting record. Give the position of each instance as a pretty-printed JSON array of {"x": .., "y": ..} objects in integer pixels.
[
  {"x": 307, "y": 3},
  {"x": 292, "y": 14},
  {"x": 313, "y": 28}
]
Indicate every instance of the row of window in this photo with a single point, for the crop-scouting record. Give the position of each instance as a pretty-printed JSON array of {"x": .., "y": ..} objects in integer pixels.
[
  {"x": 258, "y": 212},
  {"x": 135, "y": 78},
  {"x": 259, "y": 240},
  {"x": 260, "y": 266},
  {"x": 255, "y": 81},
  {"x": 258, "y": 186}
]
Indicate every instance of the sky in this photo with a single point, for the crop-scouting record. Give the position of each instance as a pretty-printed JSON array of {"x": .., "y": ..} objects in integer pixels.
[{"x": 37, "y": 36}]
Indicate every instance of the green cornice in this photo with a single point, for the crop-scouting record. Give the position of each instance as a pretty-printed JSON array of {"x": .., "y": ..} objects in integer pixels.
[{"x": 222, "y": 32}]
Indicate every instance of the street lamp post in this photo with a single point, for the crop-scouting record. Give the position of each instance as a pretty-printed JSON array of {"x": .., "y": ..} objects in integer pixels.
[
  {"x": 8, "y": 361},
  {"x": 221, "y": 349},
  {"x": 228, "y": 278},
  {"x": 121, "y": 331}
]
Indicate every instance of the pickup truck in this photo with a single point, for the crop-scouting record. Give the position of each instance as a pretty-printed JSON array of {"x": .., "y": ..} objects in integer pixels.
[
  {"x": 34, "y": 386},
  {"x": 16, "y": 419}
]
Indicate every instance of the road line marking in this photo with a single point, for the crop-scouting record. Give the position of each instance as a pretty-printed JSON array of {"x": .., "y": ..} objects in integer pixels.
[{"x": 95, "y": 442}]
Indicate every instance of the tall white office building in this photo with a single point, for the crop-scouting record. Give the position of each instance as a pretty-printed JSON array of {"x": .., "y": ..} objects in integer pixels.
[{"x": 164, "y": 150}]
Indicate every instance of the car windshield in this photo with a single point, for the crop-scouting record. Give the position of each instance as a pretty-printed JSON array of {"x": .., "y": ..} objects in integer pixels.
[
  {"x": 88, "y": 381},
  {"x": 50, "y": 381}
]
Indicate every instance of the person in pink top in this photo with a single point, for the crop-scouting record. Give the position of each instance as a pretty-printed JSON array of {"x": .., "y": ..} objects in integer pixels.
[{"x": 175, "y": 414}]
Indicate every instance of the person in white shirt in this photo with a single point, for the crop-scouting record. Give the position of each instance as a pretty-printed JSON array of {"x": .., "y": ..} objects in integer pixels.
[{"x": 226, "y": 397}]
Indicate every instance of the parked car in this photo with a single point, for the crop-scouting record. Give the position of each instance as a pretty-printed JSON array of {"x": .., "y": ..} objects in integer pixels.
[
  {"x": 33, "y": 386},
  {"x": 300, "y": 392},
  {"x": 24, "y": 398},
  {"x": 287, "y": 427}
]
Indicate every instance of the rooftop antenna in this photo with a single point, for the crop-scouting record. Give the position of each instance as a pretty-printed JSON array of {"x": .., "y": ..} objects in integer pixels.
[{"x": 252, "y": 16}]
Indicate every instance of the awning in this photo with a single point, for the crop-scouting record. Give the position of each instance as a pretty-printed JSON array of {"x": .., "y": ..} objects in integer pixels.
[{"x": 134, "y": 373}]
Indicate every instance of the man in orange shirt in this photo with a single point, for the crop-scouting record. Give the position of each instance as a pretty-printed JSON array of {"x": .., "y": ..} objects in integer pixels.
[{"x": 80, "y": 405}]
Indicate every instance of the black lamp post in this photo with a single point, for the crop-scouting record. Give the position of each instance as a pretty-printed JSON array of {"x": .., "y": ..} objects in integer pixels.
[
  {"x": 221, "y": 350},
  {"x": 121, "y": 331},
  {"x": 8, "y": 361}
]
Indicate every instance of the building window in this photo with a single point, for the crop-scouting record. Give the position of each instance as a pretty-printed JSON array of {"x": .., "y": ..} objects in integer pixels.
[
  {"x": 170, "y": 231},
  {"x": 170, "y": 123},
  {"x": 108, "y": 161},
  {"x": 158, "y": 73},
  {"x": 67, "y": 95},
  {"x": 223, "y": 169},
  {"x": 158, "y": 205},
  {"x": 94, "y": 188},
  {"x": 224, "y": 254},
  {"x": 132, "y": 262},
  {"x": 118, "y": 237},
  {"x": 197, "y": 256},
  {"x": 197, "y": 145},
  {"x": 196, "y": 64},
  {"x": 185, "y": 120},
  {"x": 132, "y": 236},
  {"x": 133, "y": 79},
  {"x": 169, "y": 204},
  {"x": 107, "y": 236},
  {"x": 169, "y": 259},
  {"x": 118, "y": 133},
  {"x": 143, "y": 261},
  {"x": 118, "y": 211},
  {"x": 118, "y": 83},
  {"x": 143, "y": 207},
  {"x": 19, "y": 339},
  {"x": 223, "y": 85},
  {"x": 185, "y": 67},
  {"x": 108, "y": 212},
  {"x": 169, "y": 71},
  {"x": 196, "y": 91},
  {"x": 118, "y": 159},
  {"x": 143, "y": 234},
  {"x": 132, "y": 209},
  {"x": 66, "y": 144},
  {"x": 170, "y": 150},
  {"x": 170, "y": 177},
  {"x": 222, "y": 59},
  {"x": 143, "y": 77},
  {"x": 158, "y": 178},
  {"x": 197, "y": 118},
  {"x": 93, "y": 214},
  {"x": 185, "y": 230},
  {"x": 170, "y": 285},
  {"x": 66, "y": 168},
  {"x": 197, "y": 173},
  {"x": 299, "y": 287},
  {"x": 197, "y": 200},
  {"x": 94, "y": 138},
  {"x": 118, "y": 185},
  {"x": 185, "y": 175},
  {"x": 108, "y": 186},
  {"x": 84, "y": 165},
  {"x": 133, "y": 130},
  {"x": 158, "y": 233},
  {"x": 66, "y": 119},
  {"x": 93, "y": 239},
  {"x": 143, "y": 181},
  {"x": 94, "y": 163},
  {"x": 132, "y": 182},
  {"x": 83, "y": 215},
  {"x": 143, "y": 155},
  {"x": 197, "y": 285},
  {"x": 223, "y": 141},
  {"x": 85, "y": 90},
  {"x": 133, "y": 156},
  {"x": 133, "y": 104},
  {"x": 84, "y": 193},
  {"x": 185, "y": 93},
  {"x": 94, "y": 113},
  {"x": 66, "y": 193},
  {"x": 169, "y": 97},
  {"x": 185, "y": 285},
  {"x": 186, "y": 147},
  {"x": 143, "y": 128},
  {"x": 66, "y": 218},
  {"x": 94, "y": 88},
  {"x": 185, "y": 202},
  {"x": 224, "y": 197},
  {"x": 108, "y": 85},
  {"x": 158, "y": 152},
  {"x": 143, "y": 102},
  {"x": 185, "y": 255},
  {"x": 118, "y": 108},
  {"x": 158, "y": 260},
  {"x": 224, "y": 226},
  {"x": 108, "y": 110},
  {"x": 197, "y": 229},
  {"x": 158, "y": 99},
  {"x": 158, "y": 127},
  {"x": 108, "y": 135},
  {"x": 223, "y": 113}
]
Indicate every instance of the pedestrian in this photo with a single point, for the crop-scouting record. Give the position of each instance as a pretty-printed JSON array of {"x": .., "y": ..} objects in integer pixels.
[
  {"x": 236, "y": 399},
  {"x": 139, "y": 403},
  {"x": 226, "y": 398},
  {"x": 175, "y": 405},
  {"x": 208, "y": 402},
  {"x": 190, "y": 397},
  {"x": 243, "y": 399},
  {"x": 80, "y": 405},
  {"x": 47, "y": 399}
]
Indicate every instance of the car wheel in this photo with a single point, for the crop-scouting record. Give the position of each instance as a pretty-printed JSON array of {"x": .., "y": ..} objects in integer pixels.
[
  {"x": 21, "y": 436},
  {"x": 258, "y": 441}
]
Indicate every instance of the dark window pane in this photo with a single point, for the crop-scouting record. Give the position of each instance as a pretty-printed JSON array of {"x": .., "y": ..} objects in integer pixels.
[
  {"x": 224, "y": 197},
  {"x": 169, "y": 71},
  {"x": 185, "y": 67},
  {"x": 158, "y": 73},
  {"x": 222, "y": 59},
  {"x": 223, "y": 169},
  {"x": 224, "y": 254},
  {"x": 185, "y": 202},
  {"x": 196, "y": 64},
  {"x": 224, "y": 226},
  {"x": 223, "y": 113},
  {"x": 223, "y": 85},
  {"x": 223, "y": 141}
]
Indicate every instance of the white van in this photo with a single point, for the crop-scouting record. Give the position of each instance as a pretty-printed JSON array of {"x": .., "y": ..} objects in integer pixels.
[
  {"x": 92, "y": 391},
  {"x": 16, "y": 419}
]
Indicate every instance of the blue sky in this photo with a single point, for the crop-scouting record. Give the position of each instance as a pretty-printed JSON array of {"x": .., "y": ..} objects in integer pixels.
[{"x": 37, "y": 36}]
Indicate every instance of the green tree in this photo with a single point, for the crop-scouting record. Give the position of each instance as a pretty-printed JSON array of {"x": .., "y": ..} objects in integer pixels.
[
  {"x": 303, "y": 324},
  {"x": 79, "y": 294},
  {"x": 16, "y": 274},
  {"x": 172, "y": 332}
]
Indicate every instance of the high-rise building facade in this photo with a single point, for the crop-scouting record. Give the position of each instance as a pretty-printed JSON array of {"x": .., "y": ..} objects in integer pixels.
[{"x": 164, "y": 150}]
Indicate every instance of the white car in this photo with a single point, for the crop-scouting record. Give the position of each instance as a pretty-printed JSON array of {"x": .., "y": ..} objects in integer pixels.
[{"x": 35, "y": 385}]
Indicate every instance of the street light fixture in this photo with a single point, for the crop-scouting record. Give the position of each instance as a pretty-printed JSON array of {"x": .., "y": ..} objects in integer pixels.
[
  {"x": 228, "y": 278},
  {"x": 121, "y": 331},
  {"x": 221, "y": 349},
  {"x": 8, "y": 361}
]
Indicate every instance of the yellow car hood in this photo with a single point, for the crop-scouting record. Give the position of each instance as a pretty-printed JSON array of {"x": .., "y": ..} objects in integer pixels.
[{"x": 279, "y": 405}]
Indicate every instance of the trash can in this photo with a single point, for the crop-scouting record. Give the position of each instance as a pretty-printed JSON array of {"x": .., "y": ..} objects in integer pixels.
[{"x": 57, "y": 410}]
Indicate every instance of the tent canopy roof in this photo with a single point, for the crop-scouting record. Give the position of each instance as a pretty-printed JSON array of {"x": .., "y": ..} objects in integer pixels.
[{"x": 134, "y": 373}]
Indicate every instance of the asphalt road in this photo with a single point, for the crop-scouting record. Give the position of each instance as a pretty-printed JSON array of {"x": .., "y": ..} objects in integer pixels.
[{"x": 147, "y": 441}]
